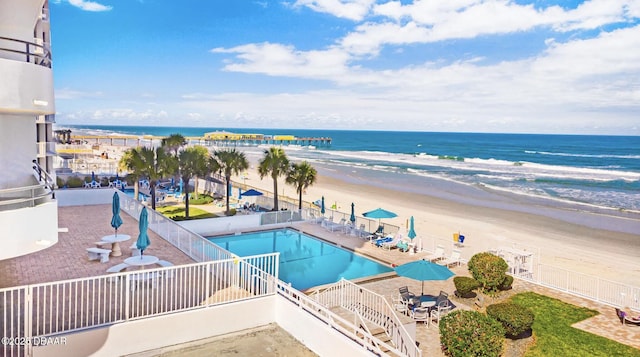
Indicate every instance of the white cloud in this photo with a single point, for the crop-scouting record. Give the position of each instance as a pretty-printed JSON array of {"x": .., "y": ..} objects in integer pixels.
[
  {"x": 66, "y": 93},
  {"x": 89, "y": 5},
  {"x": 349, "y": 9}
]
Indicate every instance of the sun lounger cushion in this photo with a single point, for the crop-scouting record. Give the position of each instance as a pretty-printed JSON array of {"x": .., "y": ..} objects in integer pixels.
[{"x": 381, "y": 241}]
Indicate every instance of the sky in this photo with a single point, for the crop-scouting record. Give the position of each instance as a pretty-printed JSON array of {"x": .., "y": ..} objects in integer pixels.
[{"x": 545, "y": 66}]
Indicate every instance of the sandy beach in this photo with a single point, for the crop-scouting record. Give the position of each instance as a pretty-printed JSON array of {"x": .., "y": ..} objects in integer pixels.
[{"x": 607, "y": 254}]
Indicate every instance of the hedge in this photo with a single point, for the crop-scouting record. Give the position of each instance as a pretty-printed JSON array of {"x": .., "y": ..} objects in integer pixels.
[
  {"x": 471, "y": 333},
  {"x": 515, "y": 319}
]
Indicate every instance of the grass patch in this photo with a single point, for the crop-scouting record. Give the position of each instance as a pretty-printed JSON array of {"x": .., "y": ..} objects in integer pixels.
[
  {"x": 554, "y": 335},
  {"x": 178, "y": 211}
]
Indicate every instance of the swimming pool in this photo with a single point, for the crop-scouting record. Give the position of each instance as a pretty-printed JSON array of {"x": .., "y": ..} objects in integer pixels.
[{"x": 305, "y": 262}]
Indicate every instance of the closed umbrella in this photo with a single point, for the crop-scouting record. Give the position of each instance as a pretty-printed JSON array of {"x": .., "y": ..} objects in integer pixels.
[
  {"x": 423, "y": 270},
  {"x": 322, "y": 210},
  {"x": 116, "y": 221},
  {"x": 353, "y": 214},
  {"x": 93, "y": 176},
  {"x": 412, "y": 233},
  {"x": 143, "y": 238}
]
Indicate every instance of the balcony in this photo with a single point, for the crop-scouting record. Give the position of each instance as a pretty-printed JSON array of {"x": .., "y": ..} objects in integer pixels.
[
  {"x": 45, "y": 149},
  {"x": 36, "y": 52}
]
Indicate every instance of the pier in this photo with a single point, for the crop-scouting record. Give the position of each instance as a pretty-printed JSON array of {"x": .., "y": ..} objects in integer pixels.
[{"x": 217, "y": 138}]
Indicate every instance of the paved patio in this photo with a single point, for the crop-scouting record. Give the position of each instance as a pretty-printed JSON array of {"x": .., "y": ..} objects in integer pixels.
[{"x": 87, "y": 224}]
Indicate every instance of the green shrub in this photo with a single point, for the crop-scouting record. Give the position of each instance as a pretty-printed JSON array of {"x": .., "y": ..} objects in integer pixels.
[
  {"x": 73, "y": 182},
  {"x": 59, "y": 182},
  {"x": 87, "y": 179},
  {"x": 465, "y": 286},
  {"x": 471, "y": 333},
  {"x": 515, "y": 319},
  {"x": 506, "y": 283},
  {"x": 232, "y": 212},
  {"x": 488, "y": 269},
  {"x": 202, "y": 200}
]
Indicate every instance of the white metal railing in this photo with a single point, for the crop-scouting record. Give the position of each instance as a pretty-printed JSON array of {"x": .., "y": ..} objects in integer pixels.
[
  {"x": 25, "y": 196},
  {"x": 353, "y": 331},
  {"x": 49, "y": 309},
  {"x": 373, "y": 308},
  {"x": 192, "y": 244},
  {"x": 588, "y": 286}
]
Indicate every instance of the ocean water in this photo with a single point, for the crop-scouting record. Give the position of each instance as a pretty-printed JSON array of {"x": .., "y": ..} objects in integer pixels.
[{"x": 574, "y": 172}]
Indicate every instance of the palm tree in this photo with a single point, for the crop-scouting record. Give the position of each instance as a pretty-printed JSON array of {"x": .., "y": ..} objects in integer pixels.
[
  {"x": 131, "y": 163},
  {"x": 231, "y": 162},
  {"x": 192, "y": 162},
  {"x": 276, "y": 164},
  {"x": 173, "y": 143},
  {"x": 301, "y": 176},
  {"x": 155, "y": 164}
]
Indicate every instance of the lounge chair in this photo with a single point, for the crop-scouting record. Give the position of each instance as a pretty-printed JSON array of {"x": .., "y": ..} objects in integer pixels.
[
  {"x": 437, "y": 255},
  {"x": 403, "y": 245},
  {"x": 454, "y": 259},
  {"x": 380, "y": 241},
  {"x": 340, "y": 226},
  {"x": 625, "y": 319},
  {"x": 390, "y": 244}
]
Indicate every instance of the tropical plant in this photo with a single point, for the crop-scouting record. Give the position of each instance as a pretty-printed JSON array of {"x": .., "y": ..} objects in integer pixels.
[
  {"x": 274, "y": 163},
  {"x": 301, "y": 176},
  {"x": 173, "y": 143},
  {"x": 131, "y": 163},
  {"x": 471, "y": 333},
  {"x": 230, "y": 162},
  {"x": 192, "y": 162},
  {"x": 488, "y": 269},
  {"x": 515, "y": 319},
  {"x": 154, "y": 164}
]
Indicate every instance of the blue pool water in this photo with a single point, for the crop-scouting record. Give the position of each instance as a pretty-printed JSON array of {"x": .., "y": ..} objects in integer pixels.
[
  {"x": 305, "y": 262},
  {"x": 129, "y": 192}
]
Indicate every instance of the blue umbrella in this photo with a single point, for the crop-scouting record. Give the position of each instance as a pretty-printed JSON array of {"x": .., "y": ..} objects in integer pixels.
[
  {"x": 143, "y": 238},
  {"x": 423, "y": 270},
  {"x": 353, "y": 214},
  {"x": 379, "y": 213},
  {"x": 412, "y": 233},
  {"x": 116, "y": 221},
  {"x": 180, "y": 185},
  {"x": 251, "y": 192},
  {"x": 322, "y": 206},
  {"x": 93, "y": 177}
]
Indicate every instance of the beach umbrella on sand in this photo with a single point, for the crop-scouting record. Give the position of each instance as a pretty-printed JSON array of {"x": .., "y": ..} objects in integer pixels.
[
  {"x": 412, "y": 233},
  {"x": 423, "y": 270},
  {"x": 116, "y": 221},
  {"x": 143, "y": 238},
  {"x": 322, "y": 210},
  {"x": 353, "y": 214}
]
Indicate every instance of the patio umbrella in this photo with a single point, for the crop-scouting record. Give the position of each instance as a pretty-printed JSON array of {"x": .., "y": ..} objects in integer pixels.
[
  {"x": 143, "y": 238},
  {"x": 116, "y": 221},
  {"x": 322, "y": 210},
  {"x": 412, "y": 233},
  {"x": 251, "y": 192},
  {"x": 93, "y": 176},
  {"x": 353, "y": 214},
  {"x": 423, "y": 270},
  {"x": 379, "y": 213}
]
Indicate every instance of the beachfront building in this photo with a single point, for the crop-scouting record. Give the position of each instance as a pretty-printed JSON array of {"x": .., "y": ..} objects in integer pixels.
[{"x": 28, "y": 210}]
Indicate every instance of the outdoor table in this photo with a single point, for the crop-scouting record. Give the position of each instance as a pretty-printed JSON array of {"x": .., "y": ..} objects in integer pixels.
[
  {"x": 141, "y": 260},
  {"x": 115, "y": 240},
  {"x": 424, "y": 302}
]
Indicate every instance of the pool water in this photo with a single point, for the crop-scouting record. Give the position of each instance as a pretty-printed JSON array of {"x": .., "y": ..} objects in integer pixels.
[{"x": 305, "y": 261}]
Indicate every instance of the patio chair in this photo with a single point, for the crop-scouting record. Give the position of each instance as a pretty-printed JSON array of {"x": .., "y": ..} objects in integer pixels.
[
  {"x": 454, "y": 259},
  {"x": 442, "y": 308},
  {"x": 400, "y": 305},
  {"x": 405, "y": 294},
  {"x": 436, "y": 255},
  {"x": 625, "y": 319},
  {"x": 420, "y": 314}
]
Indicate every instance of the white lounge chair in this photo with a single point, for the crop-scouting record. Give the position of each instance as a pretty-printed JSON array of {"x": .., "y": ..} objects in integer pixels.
[
  {"x": 436, "y": 255},
  {"x": 393, "y": 243},
  {"x": 454, "y": 259},
  {"x": 340, "y": 226}
]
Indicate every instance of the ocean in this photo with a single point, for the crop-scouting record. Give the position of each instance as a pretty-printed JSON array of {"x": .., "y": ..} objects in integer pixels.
[{"x": 525, "y": 172}]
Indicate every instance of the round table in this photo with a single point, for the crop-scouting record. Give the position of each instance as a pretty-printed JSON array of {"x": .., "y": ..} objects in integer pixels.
[
  {"x": 115, "y": 240},
  {"x": 141, "y": 260}
]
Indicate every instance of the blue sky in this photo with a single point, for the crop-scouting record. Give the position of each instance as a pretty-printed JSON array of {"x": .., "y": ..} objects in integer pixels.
[{"x": 434, "y": 65}]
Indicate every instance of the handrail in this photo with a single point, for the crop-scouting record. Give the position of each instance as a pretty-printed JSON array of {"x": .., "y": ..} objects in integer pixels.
[
  {"x": 42, "y": 59},
  {"x": 43, "y": 176}
]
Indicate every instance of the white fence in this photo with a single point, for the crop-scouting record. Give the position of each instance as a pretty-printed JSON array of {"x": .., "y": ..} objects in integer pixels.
[
  {"x": 33, "y": 312},
  {"x": 371, "y": 307}
]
